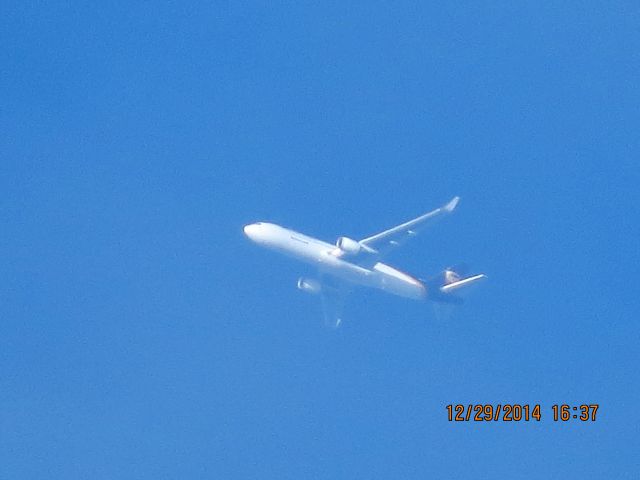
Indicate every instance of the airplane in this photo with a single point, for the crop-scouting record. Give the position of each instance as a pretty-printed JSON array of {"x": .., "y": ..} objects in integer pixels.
[{"x": 350, "y": 263}]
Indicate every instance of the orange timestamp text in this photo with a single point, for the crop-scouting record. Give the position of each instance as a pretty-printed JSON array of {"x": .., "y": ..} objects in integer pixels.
[{"x": 516, "y": 412}]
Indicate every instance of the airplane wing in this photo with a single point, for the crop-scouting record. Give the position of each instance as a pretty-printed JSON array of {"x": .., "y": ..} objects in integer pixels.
[
  {"x": 385, "y": 241},
  {"x": 334, "y": 294}
]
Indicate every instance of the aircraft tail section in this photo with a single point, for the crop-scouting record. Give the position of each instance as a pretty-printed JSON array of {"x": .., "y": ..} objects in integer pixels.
[
  {"x": 449, "y": 286},
  {"x": 461, "y": 284}
]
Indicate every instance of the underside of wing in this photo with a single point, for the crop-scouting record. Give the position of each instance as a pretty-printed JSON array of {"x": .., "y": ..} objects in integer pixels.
[
  {"x": 334, "y": 294},
  {"x": 385, "y": 241}
]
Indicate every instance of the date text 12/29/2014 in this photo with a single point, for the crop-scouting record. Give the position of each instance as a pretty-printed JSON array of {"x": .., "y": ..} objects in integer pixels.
[{"x": 515, "y": 412}]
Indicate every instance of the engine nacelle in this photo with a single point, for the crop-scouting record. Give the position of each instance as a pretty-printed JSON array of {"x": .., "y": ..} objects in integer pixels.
[
  {"x": 308, "y": 285},
  {"x": 348, "y": 246}
]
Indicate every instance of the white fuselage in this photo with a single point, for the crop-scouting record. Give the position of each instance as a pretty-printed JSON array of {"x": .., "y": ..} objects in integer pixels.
[{"x": 330, "y": 260}]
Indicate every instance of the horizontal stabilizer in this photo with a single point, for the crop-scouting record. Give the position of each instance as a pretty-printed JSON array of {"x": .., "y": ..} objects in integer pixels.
[{"x": 460, "y": 284}]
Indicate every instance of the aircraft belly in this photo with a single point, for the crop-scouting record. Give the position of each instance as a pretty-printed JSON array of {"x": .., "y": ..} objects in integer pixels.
[
  {"x": 401, "y": 288},
  {"x": 350, "y": 272},
  {"x": 371, "y": 278},
  {"x": 399, "y": 283},
  {"x": 381, "y": 276}
]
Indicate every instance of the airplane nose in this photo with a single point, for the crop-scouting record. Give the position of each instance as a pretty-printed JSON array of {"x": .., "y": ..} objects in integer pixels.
[{"x": 251, "y": 231}]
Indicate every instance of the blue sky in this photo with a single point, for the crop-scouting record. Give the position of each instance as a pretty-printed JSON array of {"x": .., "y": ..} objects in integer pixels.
[{"x": 142, "y": 336}]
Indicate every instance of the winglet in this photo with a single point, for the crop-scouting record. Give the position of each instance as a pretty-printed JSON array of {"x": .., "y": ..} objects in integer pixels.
[{"x": 449, "y": 207}]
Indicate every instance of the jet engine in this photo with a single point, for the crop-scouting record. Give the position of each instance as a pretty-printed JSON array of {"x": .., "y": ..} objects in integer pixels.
[
  {"x": 308, "y": 285},
  {"x": 348, "y": 246}
]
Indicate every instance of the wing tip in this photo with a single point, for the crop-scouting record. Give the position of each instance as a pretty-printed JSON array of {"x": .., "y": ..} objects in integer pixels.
[{"x": 453, "y": 203}]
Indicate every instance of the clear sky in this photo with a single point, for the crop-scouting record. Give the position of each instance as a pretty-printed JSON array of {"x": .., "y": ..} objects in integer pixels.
[{"x": 142, "y": 336}]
